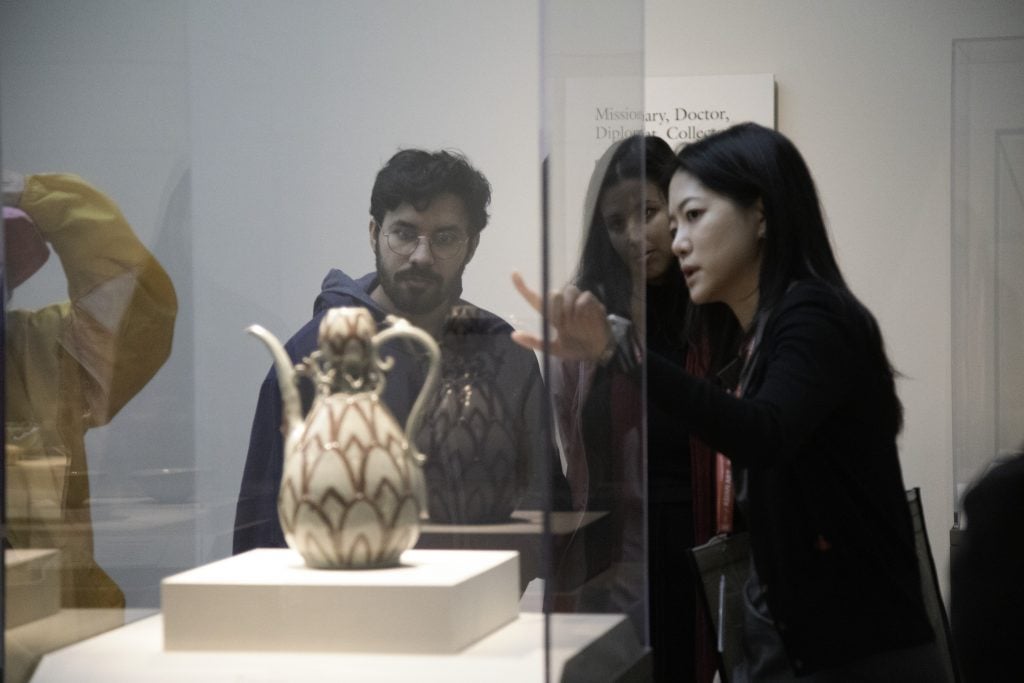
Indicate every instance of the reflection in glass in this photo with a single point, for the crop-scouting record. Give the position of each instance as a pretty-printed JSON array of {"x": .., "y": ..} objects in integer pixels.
[
  {"x": 484, "y": 442},
  {"x": 71, "y": 366},
  {"x": 987, "y": 255},
  {"x": 483, "y": 432},
  {"x": 627, "y": 263}
]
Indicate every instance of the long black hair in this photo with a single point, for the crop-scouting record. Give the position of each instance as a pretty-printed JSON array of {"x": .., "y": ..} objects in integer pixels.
[
  {"x": 748, "y": 162},
  {"x": 601, "y": 270}
]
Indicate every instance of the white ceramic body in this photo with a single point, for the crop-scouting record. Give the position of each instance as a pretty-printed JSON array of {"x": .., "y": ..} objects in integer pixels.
[
  {"x": 352, "y": 491},
  {"x": 352, "y": 488}
]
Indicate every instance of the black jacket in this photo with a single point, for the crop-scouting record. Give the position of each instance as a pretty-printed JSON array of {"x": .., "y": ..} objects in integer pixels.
[{"x": 815, "y": 437}]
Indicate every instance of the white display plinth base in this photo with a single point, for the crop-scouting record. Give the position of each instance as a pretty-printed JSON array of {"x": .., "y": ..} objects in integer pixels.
[
  {"x": 32, "y": 580},
  {"x": 584, "y": 648},
  {"x": 437, "y": 601}
]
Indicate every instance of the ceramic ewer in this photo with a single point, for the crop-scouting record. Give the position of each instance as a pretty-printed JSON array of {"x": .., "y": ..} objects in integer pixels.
[
  {"x": 477, "y": 464},
  {"x": 352, "y": 490}
]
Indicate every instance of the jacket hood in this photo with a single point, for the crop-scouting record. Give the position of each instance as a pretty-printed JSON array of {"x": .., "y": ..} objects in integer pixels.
[{"x": 338, "y": 289}]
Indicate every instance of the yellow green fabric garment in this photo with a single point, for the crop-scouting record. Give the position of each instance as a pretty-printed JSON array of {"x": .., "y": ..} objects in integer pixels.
[{"x": 72, "y": 366}]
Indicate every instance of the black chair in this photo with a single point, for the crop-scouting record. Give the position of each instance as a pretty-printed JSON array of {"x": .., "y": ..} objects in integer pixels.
[
  {"x": 723, "y": 564},
  {"x": 930, "y": 587}
]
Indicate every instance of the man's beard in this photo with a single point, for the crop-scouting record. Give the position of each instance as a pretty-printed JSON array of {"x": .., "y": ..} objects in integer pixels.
[{"x": 418, "y": 302}]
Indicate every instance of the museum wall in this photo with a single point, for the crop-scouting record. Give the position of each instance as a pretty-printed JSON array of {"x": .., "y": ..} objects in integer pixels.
[{"x": 864, "y": 91}]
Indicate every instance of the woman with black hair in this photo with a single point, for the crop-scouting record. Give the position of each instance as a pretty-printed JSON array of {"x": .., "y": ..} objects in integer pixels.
[{"x": 810, "y": 427}]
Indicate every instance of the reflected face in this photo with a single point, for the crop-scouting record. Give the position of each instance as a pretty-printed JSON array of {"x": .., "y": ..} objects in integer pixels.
[
  {"x": 718, "y": 243},
  {"x": 420, "y": 282},
  {"x": 635, "y": 213}
]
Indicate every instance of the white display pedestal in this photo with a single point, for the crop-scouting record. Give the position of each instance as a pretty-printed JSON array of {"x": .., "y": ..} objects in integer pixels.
[
  {"x": 32, "y": 583},
  {"x": 267, "y": 593},
  {"x": 584, "y": 648},
  {"x": 436, "y": 601}
]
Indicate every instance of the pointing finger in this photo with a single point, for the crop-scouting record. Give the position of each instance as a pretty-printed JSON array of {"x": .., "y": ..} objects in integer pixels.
[{"x": 531, "y": 296}]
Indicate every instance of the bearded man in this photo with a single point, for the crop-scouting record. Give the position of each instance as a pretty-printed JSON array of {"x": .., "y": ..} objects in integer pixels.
[{"x": 487, "y": 450}]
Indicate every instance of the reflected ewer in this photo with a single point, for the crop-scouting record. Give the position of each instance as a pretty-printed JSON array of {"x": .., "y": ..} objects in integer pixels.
[
  {"x": 476, "y": 470},
  {"x": 352, "y": 489}
]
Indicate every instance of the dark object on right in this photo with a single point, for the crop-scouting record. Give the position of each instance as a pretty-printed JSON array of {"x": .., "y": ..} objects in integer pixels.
[{"x": 987, "y": 576}]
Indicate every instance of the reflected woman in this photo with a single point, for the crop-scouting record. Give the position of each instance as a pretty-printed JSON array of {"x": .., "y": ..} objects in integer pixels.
[{"x": 628, "y": 272}]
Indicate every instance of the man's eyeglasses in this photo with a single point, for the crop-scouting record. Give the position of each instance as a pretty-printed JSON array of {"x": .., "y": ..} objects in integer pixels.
[{"x": 443, "y": 244}]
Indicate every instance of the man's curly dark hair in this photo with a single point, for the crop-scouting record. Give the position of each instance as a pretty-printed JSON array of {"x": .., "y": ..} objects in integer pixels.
[{"x": 418, "y": 177}]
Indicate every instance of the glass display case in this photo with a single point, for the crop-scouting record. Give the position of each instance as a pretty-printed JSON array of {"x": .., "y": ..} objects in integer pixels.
[
  {"x": 175, "y": 172},
  {"x": 186, "y": 169},
  {"x": 988, "y": 255}
]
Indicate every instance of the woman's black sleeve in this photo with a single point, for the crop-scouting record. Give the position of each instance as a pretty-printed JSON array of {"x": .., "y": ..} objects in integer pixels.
[{"x": 807, "y": 365}]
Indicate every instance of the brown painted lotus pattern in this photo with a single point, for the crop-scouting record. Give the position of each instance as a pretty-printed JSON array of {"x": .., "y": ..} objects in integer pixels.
[
  {"x": 352, "y": 491},
  {"x": 354, "y": 495}
]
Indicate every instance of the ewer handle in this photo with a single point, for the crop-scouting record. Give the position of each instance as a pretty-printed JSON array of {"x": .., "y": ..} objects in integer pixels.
[{"x": 402, "y": 328}]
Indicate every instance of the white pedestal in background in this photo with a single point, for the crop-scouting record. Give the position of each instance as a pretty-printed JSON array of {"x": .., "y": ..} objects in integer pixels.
[{"x": 437, "y": 601}]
